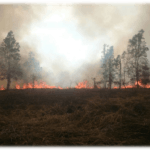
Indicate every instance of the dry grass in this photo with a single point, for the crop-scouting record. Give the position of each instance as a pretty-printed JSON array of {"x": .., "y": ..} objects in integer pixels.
[{"x": 75, "y": 117}]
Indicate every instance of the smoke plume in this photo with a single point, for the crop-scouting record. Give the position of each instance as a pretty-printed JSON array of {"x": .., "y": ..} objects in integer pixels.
[
  {"x": 112, "y": 24},
  {"x": 18, "y": 18}
]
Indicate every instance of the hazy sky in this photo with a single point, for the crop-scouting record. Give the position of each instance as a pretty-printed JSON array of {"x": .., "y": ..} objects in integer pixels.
[
  {"x": 57, "y": 36},
  {"x": 68, "y": 39}
]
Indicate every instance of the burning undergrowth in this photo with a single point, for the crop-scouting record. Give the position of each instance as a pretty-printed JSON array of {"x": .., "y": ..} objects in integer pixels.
[
  {"x": 81, "y": 85},
  {"x": 43, "y": 85},
  {"x": 75, "y": 117}
]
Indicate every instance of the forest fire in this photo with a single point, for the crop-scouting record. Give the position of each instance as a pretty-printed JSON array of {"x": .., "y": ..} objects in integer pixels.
[
  {"x": 80, "y": 85},
  {"x": 43, "y": 85},
  {"x": 133, "y": 86},
  {"x": 111, "y": 67},
  {"x": 83, "y": 84},
  {"x": 2, "y": 88}
]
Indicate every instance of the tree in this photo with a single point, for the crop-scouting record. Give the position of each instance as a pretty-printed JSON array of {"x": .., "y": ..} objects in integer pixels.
[
  {"x": 33, "y": 68},
  {"x": 104, "y": 74},
  {"x": 145, "y": 75},
  {"x": 118, "y": 65},
  {"x": 103, "y": 61},
  {"x": 107, "y": 55},
  {"x": 108, "y": 72},
  {"x": 137, "y": 51},
  {"x": 10, "y": 58},
  {"x": 95, "y": 86},
  {"x": 111, "y": 69},
  {"x": 125, "y": 67}
]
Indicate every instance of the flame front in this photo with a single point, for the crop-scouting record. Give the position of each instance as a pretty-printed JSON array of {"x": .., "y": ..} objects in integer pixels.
[
  {"x": 2, "y": 88},
  {"x": 83, "y": 84},
  {"x": 134, "y": 86},
  {"x": 41, "y": 85},
  {"x": 80, "y": 85}
]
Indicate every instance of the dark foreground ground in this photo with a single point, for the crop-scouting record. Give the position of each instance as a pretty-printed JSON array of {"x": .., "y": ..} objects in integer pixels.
[{"x": 75, "y": 117}]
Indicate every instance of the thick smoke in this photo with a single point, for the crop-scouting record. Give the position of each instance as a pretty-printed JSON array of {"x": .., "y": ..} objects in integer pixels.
[
  {"x": 18, "y": 18},
  {"x": 111, "y": 24},
  {"x": 116, "y": 23}
]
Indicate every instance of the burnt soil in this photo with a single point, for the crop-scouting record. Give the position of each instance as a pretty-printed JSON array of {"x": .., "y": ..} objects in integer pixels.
[{"x": 75, "y": 117}]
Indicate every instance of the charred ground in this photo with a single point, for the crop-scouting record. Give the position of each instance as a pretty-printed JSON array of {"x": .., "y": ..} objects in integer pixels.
[{"x": 75, "y": 117}]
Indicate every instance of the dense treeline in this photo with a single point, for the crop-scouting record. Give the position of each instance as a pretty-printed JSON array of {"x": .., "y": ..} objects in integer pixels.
[{"x": 129, "y": 68}]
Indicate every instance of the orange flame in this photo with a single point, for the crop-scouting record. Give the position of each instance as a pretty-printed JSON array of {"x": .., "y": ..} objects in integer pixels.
[
  {"x": 80, "y": 85},
  {"x": 41, "y": 85},
  {"x": 2, "y": 88},
  {"x": 83, "y": 84},
  {"x": 134, "y": 86}
]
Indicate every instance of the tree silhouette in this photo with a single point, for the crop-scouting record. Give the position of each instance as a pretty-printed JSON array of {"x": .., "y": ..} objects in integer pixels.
[
  {"x": 108, "y": 71},
  {"x": 145, "y": 75},
  {"x": 10, "y": 58},
  {"x": 103, "y": 66},
  {"x": 118, "y": 65},
  {"x": 111, "y": 71},
  {"x": 33, "y": 68},
  {"x": 106, "y": 54},
  {"x": 124, "y": 57},
  {"x": 137, "y": 52}
]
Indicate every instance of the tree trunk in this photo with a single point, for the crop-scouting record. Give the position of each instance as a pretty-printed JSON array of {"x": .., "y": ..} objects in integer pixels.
[
  {"x": 8, "y": 82},
  {"x": 105, "y": 84},
  {"x": 33, "y": 81},
  {"x": 94, "y": 83},
  {"x": 110, "y": 81},
  {"x": 138, "y": 65},
  {"x": 120, "y": 76},
  {"x": 8, "y": 75},
  {"x": 124, "y": 80},
  {"x": 70, "y": 83},
  {"x": 137, "y": 78}
]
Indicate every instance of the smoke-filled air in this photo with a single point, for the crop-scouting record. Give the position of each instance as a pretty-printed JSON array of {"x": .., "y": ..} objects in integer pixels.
[
  {"x": 75, "y": 74},
  {"x": 74, "y": 46}
]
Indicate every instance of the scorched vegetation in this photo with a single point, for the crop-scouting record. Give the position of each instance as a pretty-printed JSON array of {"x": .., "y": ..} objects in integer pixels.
[{"x": 75, "y": 117}]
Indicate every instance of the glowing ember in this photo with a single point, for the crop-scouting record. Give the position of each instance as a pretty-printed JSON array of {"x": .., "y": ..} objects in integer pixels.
[
  {"x": 2, "y": 88},
  {"x": 133, "y": 86},
  {"x": 83, "y": 84},
  {"x": 115, "y": 87},
  {"x": 17, "y": 86}
]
